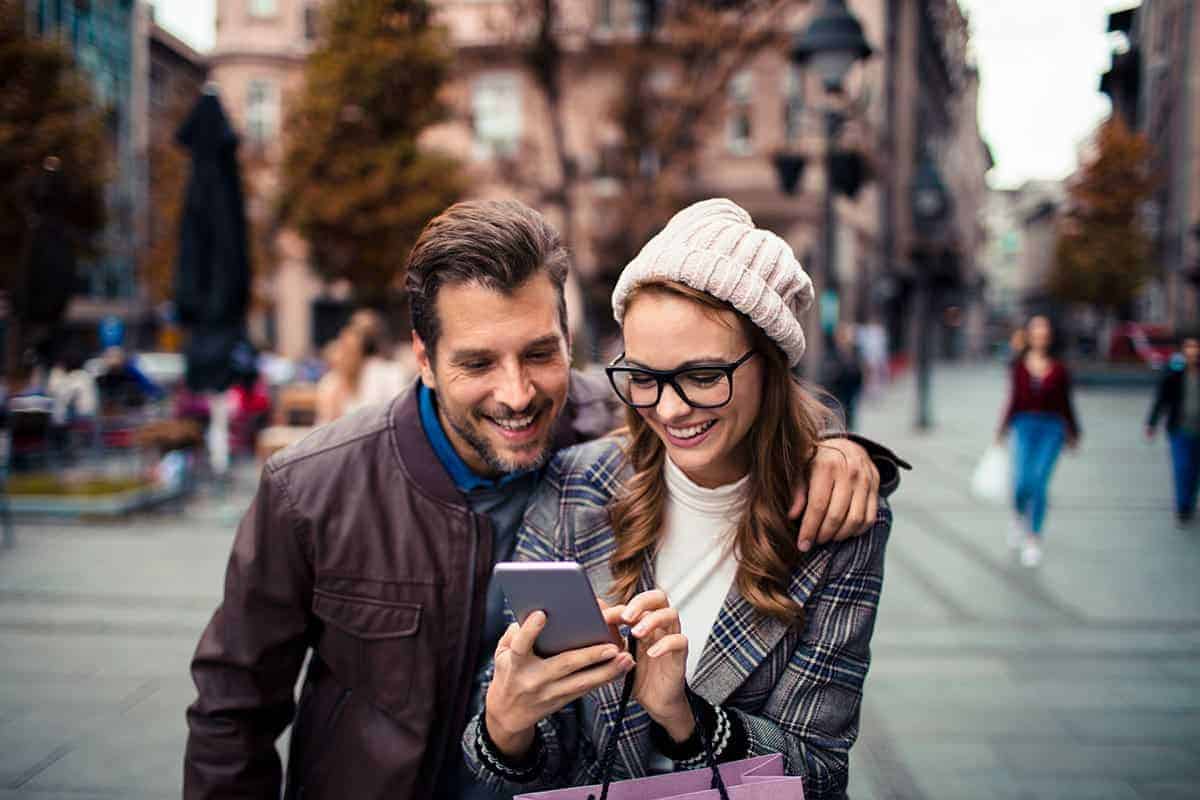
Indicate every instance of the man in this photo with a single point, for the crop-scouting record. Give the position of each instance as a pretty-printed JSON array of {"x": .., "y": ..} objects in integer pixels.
[
  {"x": 1178, "y": 397},
  {"x": 372, "y": 541}
]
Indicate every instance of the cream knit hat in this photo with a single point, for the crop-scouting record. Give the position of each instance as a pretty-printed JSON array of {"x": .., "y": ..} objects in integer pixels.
[{"x": 713, "y": 247}]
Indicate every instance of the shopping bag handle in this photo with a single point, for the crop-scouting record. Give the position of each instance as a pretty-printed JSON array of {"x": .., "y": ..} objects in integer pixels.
[{"x": 610, "y": 749}]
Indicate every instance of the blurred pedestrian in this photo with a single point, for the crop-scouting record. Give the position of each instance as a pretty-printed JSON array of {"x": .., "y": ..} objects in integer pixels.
[
  {"x": 873, "y": 345},
  {"x": 383, "y": 376},
  {"x": 73, "y": 389},
  {"x": 1041, "y": 416},
  {"x": 843, "y": 373},
  {"x": 122, "y": 383},
  {"x": 337, "y": 391},
  {"x": 1178, "y": 398}
]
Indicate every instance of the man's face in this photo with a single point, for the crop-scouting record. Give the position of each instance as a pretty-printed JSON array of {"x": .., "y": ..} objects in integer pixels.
[
  {"x": 1191, "y": 351},
  {"x": 500, "y": 372}
]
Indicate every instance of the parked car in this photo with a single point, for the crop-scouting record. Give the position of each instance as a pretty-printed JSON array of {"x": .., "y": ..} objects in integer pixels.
[{"x": 1138, "y": 342}]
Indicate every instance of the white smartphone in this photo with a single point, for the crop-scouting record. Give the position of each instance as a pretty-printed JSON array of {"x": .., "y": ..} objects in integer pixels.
[{"x": 563, "y": 591}]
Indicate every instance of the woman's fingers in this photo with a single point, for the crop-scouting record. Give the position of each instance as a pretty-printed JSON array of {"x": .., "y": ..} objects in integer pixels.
[
  {"x": 613, "y": 614},
  {"x": 526, "y": 635},
  {"x": 665, "y": 620},
  {"x": 580, "y": 683},
  {"x": 644, "y": 602},
  {"x": 674, "y": 643},
  {"x": 564, "y": 664},
  {"x": 506, "y": 640}
]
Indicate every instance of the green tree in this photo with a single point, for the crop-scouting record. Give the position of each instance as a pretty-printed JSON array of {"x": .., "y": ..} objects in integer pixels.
[
  {"x": 356, "y": 184},
  {"x": 50, "y": 127},
  {"x": 1102, "y": 257}
]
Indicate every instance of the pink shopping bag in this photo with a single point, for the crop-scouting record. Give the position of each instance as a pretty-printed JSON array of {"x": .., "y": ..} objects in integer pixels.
[{"x": 759, "y": 778}]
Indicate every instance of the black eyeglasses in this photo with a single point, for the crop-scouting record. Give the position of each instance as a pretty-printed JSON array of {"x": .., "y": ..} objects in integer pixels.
[{"x": 701, "y": 386}]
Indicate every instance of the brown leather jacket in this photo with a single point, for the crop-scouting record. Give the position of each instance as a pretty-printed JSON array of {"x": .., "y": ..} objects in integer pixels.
[{"x": 358, "y": 546}]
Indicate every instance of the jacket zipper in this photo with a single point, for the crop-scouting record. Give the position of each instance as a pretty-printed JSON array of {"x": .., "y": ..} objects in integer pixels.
[{"x": 334, "y": 716}]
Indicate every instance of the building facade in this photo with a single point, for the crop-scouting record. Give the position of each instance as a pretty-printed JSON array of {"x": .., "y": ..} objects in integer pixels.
[
  {"x": 769, "y": 106},
  {"x": 1154, "y": 81},
  {"x": 108, "y": 40}
]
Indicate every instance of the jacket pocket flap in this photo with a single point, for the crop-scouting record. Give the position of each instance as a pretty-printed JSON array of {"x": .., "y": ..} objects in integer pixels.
[{"x": 368, "y": 619}]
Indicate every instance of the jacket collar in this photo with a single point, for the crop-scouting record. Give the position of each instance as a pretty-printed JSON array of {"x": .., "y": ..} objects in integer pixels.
[{"x": 415, "y": 452}]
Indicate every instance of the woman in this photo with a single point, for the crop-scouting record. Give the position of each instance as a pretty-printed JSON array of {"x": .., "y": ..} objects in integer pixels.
[
  {"x": 681, "y": 521},
  {"x": 1041, "y": 416}
]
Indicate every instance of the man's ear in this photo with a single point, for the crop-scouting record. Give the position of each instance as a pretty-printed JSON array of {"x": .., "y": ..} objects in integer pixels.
[{"x": 424, "y": 361}]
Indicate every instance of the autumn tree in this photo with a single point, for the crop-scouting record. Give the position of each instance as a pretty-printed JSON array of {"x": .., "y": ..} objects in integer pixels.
[
  {"x": 355, "y": 182},
  {"x": 54, "y": 162},
  {"x": 1102, "y": 256}
]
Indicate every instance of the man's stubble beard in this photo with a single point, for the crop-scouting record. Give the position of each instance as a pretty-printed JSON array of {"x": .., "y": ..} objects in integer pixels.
[{"x": 483, "y": 448}]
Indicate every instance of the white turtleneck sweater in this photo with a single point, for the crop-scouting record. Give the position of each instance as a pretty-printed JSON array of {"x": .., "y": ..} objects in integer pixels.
[{"x": 695, "y": 564}]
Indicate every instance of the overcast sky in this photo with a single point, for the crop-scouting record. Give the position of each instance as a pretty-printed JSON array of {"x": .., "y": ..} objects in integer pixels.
[{"x": 1040, "y": 63}]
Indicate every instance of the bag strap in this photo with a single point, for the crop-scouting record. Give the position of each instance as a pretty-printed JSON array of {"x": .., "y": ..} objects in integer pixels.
[{"x": 610, "y": 749}]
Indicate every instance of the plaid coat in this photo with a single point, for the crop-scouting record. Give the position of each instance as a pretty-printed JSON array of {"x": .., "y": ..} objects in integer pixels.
[{"x": 797, "y": 690}]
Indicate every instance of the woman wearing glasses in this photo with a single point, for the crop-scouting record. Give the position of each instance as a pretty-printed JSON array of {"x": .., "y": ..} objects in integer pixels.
[{"x": 681, "y": 522}]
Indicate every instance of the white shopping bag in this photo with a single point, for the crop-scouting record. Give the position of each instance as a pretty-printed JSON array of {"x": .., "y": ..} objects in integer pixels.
[{"x": 990, "y": 482}]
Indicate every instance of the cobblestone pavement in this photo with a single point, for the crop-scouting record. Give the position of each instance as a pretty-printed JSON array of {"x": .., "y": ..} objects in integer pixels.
[{"x": 1080, "y": 679}]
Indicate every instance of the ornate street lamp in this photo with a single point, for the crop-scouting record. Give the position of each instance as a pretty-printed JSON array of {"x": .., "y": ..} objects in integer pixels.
[
  {"x": 832, "y": 43},
  {"x": 931, "y": 207}
]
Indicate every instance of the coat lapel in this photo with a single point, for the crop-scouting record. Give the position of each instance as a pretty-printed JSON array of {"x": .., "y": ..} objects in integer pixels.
[{"x": 742, "y": 637}]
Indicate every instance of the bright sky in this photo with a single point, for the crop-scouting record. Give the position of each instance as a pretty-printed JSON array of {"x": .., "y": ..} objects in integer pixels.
[{"x": 1040, "y": 63}]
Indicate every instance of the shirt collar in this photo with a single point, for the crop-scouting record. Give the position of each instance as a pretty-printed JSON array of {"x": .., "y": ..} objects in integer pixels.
[{"x": 463, "y": 476}]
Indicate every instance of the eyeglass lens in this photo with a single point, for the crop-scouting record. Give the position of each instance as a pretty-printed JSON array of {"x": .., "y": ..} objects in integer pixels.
[{"x": 701, "y": 387}]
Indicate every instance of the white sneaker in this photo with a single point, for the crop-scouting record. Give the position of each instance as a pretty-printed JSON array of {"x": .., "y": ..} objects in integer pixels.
[
  {"x": 1031, "y": 552},
  {"x": 1018, "y": 532}
]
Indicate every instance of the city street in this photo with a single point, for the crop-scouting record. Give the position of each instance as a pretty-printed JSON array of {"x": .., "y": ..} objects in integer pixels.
[{"x": 1080, "y": 679}]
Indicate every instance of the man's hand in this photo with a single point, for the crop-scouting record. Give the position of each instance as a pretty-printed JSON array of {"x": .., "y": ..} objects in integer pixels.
[{"x": 842, "y": 496}]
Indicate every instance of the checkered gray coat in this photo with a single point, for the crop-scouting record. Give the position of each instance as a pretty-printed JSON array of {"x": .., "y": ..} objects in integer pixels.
[{"x": 797, "y": 690}]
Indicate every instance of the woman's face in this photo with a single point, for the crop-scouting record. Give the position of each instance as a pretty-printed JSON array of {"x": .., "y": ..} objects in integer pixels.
[
  {"x": 665, "y": 331},
  {"x": 1040, "y": 334}
]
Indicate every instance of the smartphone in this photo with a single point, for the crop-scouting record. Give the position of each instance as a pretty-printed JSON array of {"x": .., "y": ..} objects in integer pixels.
[{"x": 563, "y": 591}]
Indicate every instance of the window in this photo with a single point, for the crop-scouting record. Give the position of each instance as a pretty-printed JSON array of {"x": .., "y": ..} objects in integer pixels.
[
  {"x": 496, "y": 114},
  {"x": 604, "y": 14},
  {"x": 262, "y": 8},
  {"x": 740, "y": 129},
  {"x": 262, "y": 111},
  {"x": 793, "y": 102},
  {"x": 312, "y": 22}
]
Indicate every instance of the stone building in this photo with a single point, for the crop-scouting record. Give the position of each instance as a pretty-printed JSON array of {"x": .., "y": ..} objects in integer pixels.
[
  {"x": 769, "y": 107},
  {"x": 1154, "y": 81},
  {"x": 107, "y": 39}
]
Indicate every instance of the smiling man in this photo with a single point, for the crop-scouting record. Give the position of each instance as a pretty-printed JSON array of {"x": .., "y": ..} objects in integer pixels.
[{"x": 371, "y": 543}]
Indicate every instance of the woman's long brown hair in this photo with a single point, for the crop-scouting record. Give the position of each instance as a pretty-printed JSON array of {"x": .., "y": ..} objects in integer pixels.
[{"x": 782, "y": 442}]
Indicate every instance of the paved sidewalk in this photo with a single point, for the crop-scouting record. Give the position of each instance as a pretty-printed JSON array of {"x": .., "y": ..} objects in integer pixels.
[{"x": 1077, "y": 680}]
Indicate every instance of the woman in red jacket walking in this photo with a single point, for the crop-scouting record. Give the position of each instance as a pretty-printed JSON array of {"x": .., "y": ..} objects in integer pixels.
[{"x": 1041, "y": 415}]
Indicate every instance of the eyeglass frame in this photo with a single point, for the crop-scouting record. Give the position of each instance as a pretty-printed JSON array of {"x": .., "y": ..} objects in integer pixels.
[{"x": 668, "y": 376}]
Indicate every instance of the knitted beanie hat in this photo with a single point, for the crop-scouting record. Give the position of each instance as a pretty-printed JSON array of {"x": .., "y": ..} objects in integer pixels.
[{"x": 713, "y": 247}]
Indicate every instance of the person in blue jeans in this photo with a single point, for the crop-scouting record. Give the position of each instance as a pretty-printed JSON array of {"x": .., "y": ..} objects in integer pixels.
[
  {"x": 1041, "y": 417},
  {"x": 1178, "y": 399}
]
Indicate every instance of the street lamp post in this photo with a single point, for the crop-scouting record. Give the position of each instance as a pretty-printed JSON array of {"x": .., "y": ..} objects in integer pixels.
[
  {"x": 832, "y": 43},
  {"x": 931, "y": 205}
]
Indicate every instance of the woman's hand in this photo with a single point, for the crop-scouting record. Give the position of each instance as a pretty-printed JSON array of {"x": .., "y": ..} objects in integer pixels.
[
  {"x": 660, "y": 685},
  {"x": 526, "y": 689}
]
